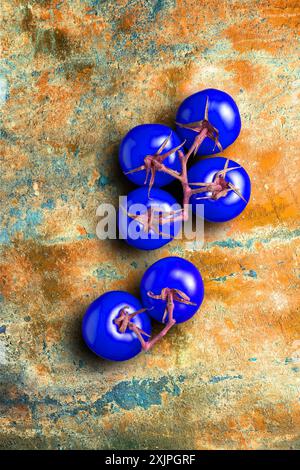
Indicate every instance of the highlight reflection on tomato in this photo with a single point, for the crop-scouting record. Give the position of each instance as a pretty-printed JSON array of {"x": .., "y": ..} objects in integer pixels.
[
  {"x": 232, "y": 190},
  {"x": 180, "y": 275},
  {"x": 102, "y": 334},
  {"x": 223, "y": 115}
]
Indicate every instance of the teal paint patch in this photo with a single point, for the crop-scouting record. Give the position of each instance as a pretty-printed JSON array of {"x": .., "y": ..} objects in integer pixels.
[
  {"x": 295, "y": 369},
  {"x": 158, "y": 6},
  {"x": 145, "y": 393},
  {"x": 107, "y": 272},
  {"x": 4, "y": 135},
  {"x": 77, "y": 238},
  {"x": 49, "y": 204},
  {"x": 4, "y": 237},
  {"x": 14, "y": 212},
  {"x": 134, "y": 264},
  {"x": 177, "y": 250},
  {"x": 103, "y": 181},
  {"x": 60, "y": 166},
  {"x": 125, "y": 395},
  {"x": 289, "y": 360},
  {"x": 251, "y": 273},
  {"x": 4, "y": 90},
  {"x": 28, "y": 224},
  {"x": 223, "y": 278},
  {"x": 252, "y": 359},
  {"x": 91, "y": 12},
  {"x": 230, "y": 243},
  {"x": 33, "y": 217},
  {"x": 220, "y": 378},
  {"x": 278, "y": 235}
]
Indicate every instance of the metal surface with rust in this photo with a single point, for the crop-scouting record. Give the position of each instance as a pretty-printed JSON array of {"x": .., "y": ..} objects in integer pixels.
[{"x": 75, "y": 77}]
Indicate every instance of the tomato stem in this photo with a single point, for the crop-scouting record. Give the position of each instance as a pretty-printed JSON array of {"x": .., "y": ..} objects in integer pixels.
[
  {"x": 168, "y": 295},
  {"x": 123, "y": 321}
]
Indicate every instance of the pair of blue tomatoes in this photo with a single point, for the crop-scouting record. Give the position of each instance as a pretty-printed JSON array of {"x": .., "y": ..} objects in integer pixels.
[
  {"x": 101, "y": 329},
  {"x": 150, "y": 227}
]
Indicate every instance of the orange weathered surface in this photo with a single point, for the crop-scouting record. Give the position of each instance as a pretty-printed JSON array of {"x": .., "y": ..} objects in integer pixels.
[{"x": 75, "y": 78}]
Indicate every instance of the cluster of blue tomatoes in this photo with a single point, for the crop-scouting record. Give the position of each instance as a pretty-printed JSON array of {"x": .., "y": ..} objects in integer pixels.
[
  {"x": 151, "y": 156},
  {"x": 116, "y": 325}
]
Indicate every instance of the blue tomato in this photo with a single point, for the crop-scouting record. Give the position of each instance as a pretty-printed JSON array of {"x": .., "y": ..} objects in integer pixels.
[
  {"x": 147, "y": 222},
  {"x": 234, "y": 182},
  {"x": 223, "y": 115},
  {"x": 102, "y": 335},
  {"x": 145, "y": 140},
  {"x": 179, "y": 275}
]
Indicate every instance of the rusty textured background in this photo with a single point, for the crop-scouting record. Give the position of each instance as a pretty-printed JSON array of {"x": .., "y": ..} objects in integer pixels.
[{"x": 75, "y": 77}]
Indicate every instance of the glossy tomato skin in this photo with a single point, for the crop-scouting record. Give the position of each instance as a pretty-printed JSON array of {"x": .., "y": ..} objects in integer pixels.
[
  {"x": 223, "y": 114},
  {"x": 101, "y": 333},
  {"x": 172, "y": 272},
  {"x": 159, "y": 199},
  {"x": 144, "y": 140},
  {"x": 225, "y": 208}
]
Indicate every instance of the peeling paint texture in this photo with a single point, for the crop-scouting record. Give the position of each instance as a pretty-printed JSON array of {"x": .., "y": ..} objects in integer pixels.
[{"x": 75, "y": 76}]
